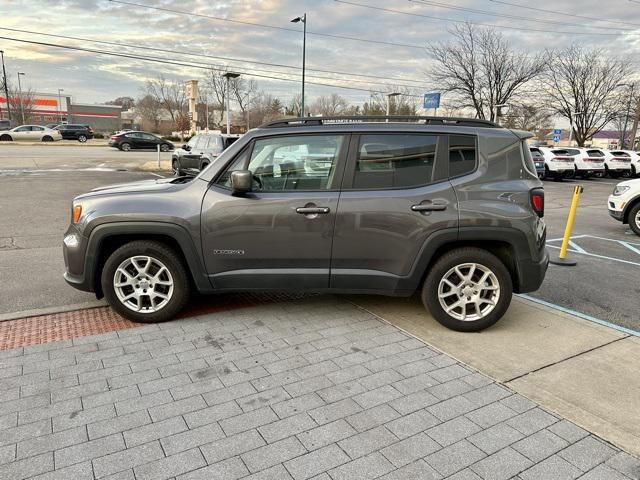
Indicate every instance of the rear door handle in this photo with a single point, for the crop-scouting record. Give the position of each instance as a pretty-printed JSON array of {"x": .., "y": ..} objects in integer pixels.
[
  {"x": 429, "y": 207},
  {"x": 312, "y": 210}
]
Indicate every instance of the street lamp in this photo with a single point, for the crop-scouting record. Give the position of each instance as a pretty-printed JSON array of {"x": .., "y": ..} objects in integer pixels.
[
  {"x": 229, "y": 76},
  {"x": 20, "y": 74},
  {"x": 6, "y": 86},
  {"x": 575, "y": 114},
  {"x": 60, "y": 90},
  {"x": 389, "y": 95},
  {"x": 302, "y": 19}
]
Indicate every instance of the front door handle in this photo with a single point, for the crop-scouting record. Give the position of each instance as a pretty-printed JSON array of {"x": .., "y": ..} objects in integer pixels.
[
  {"x": 313, "y": 210},
  {"x": 429, "y": 207}
]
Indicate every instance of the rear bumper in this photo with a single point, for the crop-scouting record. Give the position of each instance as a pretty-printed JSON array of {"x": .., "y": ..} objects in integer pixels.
[{"x": 531, "y": 274}]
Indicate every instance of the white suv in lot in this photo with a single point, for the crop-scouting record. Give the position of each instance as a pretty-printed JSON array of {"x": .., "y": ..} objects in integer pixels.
[
  {"x": 558, "y": 164},
  {"x": 589, "y": 162},
  {"x": 617, "y": 163},
  {"x": 633, "y": 156},
  {"x": 624, "y": 204}
]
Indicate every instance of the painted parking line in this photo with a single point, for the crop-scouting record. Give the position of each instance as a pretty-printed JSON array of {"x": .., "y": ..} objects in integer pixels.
[{"x": 575, "y": 248}]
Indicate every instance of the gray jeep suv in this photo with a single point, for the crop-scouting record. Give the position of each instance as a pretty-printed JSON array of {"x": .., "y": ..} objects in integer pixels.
[{"x": 450, "y": 208}]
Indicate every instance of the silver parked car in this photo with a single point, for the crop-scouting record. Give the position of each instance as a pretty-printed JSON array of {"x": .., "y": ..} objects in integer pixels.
[{"x": 33, "y": 133}]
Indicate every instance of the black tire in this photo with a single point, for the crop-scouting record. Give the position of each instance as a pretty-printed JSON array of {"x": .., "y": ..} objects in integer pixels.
[
  {"x": 458, "y": 257},
  {"x": 164, "y": 147},
  {"x": 47, "y": 138},
  {"x": 125, "y": 147},
  {"x": 6, "y": 138},
  {"x": 169, "y": 258},
  {"x": 82, "y": 138},
  {"x": 175, "y": 168},
  {"x": 569, "y": 174},
  {"x": 634, "y": 173},
  {"x": 634, "y": 218},
  {"x": 546, "y": 173}
]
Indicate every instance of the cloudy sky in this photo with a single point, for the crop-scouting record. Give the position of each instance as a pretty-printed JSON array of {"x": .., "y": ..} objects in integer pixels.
[{"x": 387, "y": 39}]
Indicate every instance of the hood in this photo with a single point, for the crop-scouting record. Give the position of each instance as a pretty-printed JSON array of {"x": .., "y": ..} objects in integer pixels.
[
  {"x": 151, "y": 186},
  {"x": 635, "y": 183}
]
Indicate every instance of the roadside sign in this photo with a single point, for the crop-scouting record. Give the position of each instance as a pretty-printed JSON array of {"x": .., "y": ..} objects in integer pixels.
[
  {"x": 556, "y": 138},
  {"x": 557, "y": 131},
  {"x": 431, "y": 100}
]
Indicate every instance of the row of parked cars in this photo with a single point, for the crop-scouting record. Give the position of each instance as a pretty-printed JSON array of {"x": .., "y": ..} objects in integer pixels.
[
  {"x": 47, "y": 133},
  {"x": 568, "y": 162}
]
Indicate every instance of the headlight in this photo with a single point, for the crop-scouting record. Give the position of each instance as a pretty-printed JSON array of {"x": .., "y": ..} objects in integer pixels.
[{"x": 619, "y": 190}]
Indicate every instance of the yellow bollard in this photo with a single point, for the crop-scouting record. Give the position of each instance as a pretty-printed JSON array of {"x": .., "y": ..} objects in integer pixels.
[{"x": 577, "y": 191}]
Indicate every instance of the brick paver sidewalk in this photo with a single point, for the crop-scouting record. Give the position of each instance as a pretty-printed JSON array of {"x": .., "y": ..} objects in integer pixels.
[{"x": 314, "y": 388}]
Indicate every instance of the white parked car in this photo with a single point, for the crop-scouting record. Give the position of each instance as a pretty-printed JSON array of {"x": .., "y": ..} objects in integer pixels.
[
  {"x": 589, "y": 162},
  {"x": 558, "y": 164},
  {"x": 617, "y": 163},
  {"x": 624, "y": 204},
  {"x": 34, "y": 133},
  {"x": 633, "y": 156}
]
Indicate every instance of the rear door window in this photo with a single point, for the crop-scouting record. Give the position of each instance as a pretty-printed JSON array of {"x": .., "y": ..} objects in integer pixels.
[
  {"x": 387, "y": 161},
  {"x": 536, "y": 154},
  {"x": 595, "y": 153}
]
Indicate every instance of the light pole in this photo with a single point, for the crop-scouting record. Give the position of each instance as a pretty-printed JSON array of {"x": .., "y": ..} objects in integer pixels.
[
  {"x": 575, "y": 114},
  {"x": 60, "y": 90},
  {"x": 6, "y": 86},
  {"x": 229, "y": 76},
  {"x": 302, "y": 19},
  {"x": 389, "y": 95},
  {"x": 20, "y": 74}
]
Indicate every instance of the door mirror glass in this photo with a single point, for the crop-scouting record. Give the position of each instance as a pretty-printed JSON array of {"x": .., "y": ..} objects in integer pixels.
[
  {"x": 241, "y": 181},
  {"x": 186, "y": 147}
]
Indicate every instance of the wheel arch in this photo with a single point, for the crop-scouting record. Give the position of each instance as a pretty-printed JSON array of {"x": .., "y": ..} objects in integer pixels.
[
  {"x": 627, "y": 208},
  {"x": 106, "y": 239}
]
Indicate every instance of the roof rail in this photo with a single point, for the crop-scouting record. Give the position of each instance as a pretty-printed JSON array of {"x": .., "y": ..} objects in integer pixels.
[{"x": 424, "y": 120}]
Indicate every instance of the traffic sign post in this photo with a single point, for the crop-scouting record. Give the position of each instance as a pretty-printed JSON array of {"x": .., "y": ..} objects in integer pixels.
[
  {"x": 556, "y": 138},
  {"x": 431, "y": 100}
]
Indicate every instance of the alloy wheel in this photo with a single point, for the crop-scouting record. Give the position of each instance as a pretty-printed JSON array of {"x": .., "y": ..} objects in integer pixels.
[
  {"x": 143, "y": 284},
  {"x": 469, "y": 292}
]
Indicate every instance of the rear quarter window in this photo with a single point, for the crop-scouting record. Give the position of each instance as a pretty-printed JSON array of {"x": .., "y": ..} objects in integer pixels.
[{"x": 462, "y": 155}]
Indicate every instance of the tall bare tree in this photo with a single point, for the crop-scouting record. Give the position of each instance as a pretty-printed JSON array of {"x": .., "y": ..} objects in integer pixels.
[
  {"x": 583, "y": 82},
  {"x": 481, "y": 70},
  {"x": 532, "y": 118},
  {"x": 329, "y": 105},
  {"x": 243, "y": 91},
  {"x": 294, "y": 107},
  {"x": 149, "y": 109},
  {"x": 21, "y": 102},
  {"x": 169, "y": 94},
  {"x": 125, "y": 102}
]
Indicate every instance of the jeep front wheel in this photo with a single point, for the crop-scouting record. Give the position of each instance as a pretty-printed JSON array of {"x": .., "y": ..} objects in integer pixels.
[
  {"x": 145, "y": 281},
  {"x": 467, "y": 289}
]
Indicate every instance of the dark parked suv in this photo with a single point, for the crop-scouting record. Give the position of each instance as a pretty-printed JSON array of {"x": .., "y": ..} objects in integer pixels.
[
  {"x": 450, "y": 208},
  {"x": 199, "y": 152},
  {"x": 82, "y": 133}
]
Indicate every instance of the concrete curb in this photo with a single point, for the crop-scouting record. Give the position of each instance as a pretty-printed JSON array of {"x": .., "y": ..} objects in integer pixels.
[
  {"x": 54, "y": 144},
  {"x": 36, "y": 312}
]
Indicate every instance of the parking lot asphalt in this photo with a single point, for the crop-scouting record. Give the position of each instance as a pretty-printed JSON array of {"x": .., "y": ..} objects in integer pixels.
[
  {"x": 34, "y": 203},
  {"x": 604, "y": 282},
  {"x": 71, "y": 156},
  {"x": 34, "y": 214},
  {"x": 313, "y": 388}
]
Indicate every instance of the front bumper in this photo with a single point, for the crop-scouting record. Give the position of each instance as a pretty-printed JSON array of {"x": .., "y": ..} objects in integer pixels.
[
  {"x": 73, "y": 249},
  {"x": 531, "y": 274},
  {"x": 618, "y": 215}
]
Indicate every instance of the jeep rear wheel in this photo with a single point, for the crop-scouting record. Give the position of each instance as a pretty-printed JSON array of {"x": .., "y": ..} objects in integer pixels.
[
  {"x": 145, "y": 281},
  {"x": 467, "y": 289}
]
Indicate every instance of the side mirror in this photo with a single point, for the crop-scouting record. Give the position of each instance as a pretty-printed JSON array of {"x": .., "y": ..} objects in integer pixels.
[
  {"x": 241, "y": 181},
  {"x": 186, "y": 147}
]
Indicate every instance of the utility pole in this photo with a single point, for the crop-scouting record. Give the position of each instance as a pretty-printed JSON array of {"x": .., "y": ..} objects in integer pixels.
[
  {"x": 6, "y": 86},
  {"x": 20, "y": 96},
  {"x": 634, "y": 128},
  {"x": 60, "y": 90},
  {"x": 229, "y": 76}
]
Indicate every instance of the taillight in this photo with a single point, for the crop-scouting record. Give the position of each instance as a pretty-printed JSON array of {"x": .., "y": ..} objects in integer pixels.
[
  {"x": 561, "y": 159},
  {"x": 114, "y": 137},
  {"x": 537, "y": 201}
]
